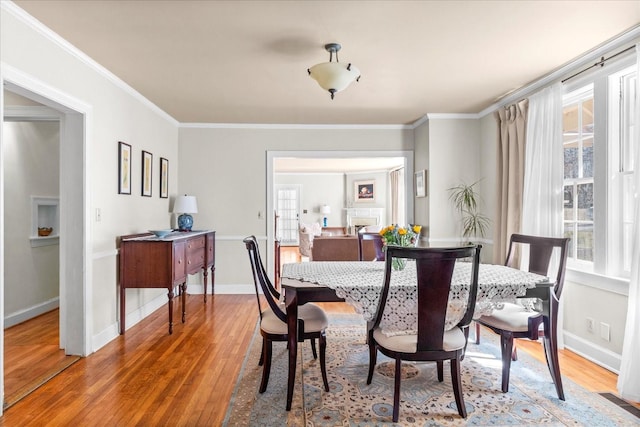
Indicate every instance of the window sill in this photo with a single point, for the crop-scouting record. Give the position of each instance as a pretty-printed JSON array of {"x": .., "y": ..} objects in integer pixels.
[{"x": 606, "y": 283}]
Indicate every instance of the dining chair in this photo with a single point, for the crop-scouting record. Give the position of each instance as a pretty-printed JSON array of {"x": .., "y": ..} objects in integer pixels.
[
  {"x": 276, "y": 295},
  {"x": 534, "y": 320},
  {"x": 431, "y": 341},
  {"x": 377, "y": 242},
  {"x": 312, "y": 320}
]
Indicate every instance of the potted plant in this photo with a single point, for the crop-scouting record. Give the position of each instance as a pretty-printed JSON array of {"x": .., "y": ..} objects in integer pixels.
[{"x": 465, "y": 200}]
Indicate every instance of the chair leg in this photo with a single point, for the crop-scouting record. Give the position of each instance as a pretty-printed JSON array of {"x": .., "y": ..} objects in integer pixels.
[
  {"x": 514, "y": 352},
  {"x": 313, "y": 348},
  {"x": 551, "y": 353},
  {"x": 261, "y": 361},
  {"x": 373, "y": 355},
  {"x": 266, "y": 349},
  {"x": 323, "y": 366},
  {"x": 456, "y": 380},
  {"x": 477, "y": 332},
  {"x": 440, "y": 369},
  {"x": 396, "y": 391},
  {"x": 506, "y": 349}
]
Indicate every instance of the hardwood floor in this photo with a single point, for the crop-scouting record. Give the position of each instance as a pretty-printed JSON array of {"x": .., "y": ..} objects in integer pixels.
[
  {"x": 148, "y": 377},
  {"x": 32, "y": 356}
]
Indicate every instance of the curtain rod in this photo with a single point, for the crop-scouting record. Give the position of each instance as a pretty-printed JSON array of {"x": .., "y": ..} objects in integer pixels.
[{"x": 599, "y": 63}]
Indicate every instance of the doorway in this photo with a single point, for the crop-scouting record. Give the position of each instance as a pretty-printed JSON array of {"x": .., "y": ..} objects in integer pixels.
[
  {"x": 332, "y": 157},
  {"x": 74, "y": 269}
]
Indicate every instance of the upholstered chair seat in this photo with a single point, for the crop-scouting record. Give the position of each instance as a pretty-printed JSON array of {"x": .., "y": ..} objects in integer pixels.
[
  {"x": 452, "y": 340},
  {"x": 512, "y": 317}
]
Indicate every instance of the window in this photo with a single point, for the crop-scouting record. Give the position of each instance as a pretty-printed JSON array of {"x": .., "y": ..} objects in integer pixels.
[
  {"x": 578, "y": 141},
  {"x": 598, "y": 140}
]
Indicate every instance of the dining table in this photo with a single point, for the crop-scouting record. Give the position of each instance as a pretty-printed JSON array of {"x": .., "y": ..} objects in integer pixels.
[{"x": 360, "y": 283}]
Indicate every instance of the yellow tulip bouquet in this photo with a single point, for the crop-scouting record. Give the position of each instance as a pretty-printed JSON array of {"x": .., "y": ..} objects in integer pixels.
[{"x": 393, "y": 235}]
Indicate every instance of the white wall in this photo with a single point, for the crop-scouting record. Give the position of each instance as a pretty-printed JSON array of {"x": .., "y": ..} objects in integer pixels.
[
  {"x": 317, "y": 190},
  {"x": 421, "y": 160},
  {"x": 29, "y": 53},
  {"x": 488, "y": 185},
  {"x": 454, "y": 153},
  {"x": 226, "y": 169},
  {"x": 31, "y": 155}
]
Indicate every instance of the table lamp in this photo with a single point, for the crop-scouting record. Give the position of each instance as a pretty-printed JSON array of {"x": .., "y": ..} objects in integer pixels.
[
  {"x": 185, "y": 205},
  {"x": 325, "y": 210}
]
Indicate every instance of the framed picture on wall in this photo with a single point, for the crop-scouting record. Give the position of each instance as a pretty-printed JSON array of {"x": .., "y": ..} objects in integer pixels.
[
  {"x": 164, "y": 178},
  {"x": 421, "y": 183},
  {"x": 124, "y": 168},
  {"x": 364, "y": 191},
  {"x": 147, "y": 165}
]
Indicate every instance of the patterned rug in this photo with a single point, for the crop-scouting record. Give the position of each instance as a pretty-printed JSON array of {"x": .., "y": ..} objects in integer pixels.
[{"x": 531, "y": 399}]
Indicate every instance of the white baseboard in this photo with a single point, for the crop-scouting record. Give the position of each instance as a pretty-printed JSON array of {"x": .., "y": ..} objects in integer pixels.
[
  {"x": 110, "y": 333},
  {"x": 590, "y": 351},
  {"x": 236, "y": 289},
  {"x": 31, "y": 312}
]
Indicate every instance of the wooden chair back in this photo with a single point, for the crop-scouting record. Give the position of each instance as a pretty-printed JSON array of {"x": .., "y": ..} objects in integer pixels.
[
  {"x": 540, "y": 256},
  {"x": 434, "y": 267},
  {"x": 261, "y": 280}
]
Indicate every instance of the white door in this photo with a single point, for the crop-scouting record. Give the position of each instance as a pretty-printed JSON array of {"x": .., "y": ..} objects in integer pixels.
[{"x": 287, "y": 210}]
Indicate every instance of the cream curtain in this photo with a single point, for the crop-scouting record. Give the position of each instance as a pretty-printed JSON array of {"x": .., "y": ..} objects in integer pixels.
[
  {"x": 629, "y": 379},
  {"x": 544, "y": 165},
  {"x": 544, "y": 174},
  {"x": 394, "y": 176},
  {"x": 511, "y": 122}
]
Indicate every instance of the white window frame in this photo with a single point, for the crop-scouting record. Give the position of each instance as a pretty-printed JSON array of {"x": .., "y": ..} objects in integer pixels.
[{"x": 606, "y": 241}]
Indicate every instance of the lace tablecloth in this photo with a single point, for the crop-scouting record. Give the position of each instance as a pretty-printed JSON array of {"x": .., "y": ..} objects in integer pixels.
[{"x": 360, "y": 284}]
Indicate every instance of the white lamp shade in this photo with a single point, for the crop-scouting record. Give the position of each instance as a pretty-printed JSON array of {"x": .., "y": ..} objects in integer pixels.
[
  {"x": 325, "y": 209},
  {"x": 185, "y": 204},
  {"x": 334, "y": 75}
]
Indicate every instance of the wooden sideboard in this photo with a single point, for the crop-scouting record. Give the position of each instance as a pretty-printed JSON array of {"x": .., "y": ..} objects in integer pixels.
[{"x": 146, "y": 261}]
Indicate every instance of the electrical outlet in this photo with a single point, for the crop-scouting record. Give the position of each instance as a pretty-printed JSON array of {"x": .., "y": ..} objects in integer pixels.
[
  {"x": 605, "y": 331},
  {"x": 591, "y": 325}
]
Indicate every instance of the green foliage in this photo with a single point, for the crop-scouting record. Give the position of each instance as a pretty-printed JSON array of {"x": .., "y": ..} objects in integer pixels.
[{"x": 465, "y": 201}]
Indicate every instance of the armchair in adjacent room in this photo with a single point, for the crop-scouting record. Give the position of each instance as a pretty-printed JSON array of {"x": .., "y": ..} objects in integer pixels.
[{"x": 306, "y": 234}]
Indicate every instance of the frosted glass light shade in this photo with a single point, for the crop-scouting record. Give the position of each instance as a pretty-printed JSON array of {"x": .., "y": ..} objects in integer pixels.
[
  {"x": 185, "y": 204},
  {"x": 334, "y": 76},
  {"x": 325, "y": 209}
]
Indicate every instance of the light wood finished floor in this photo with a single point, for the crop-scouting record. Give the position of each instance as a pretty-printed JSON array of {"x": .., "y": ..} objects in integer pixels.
[
  {"x": 148, "y": 377},
  {"x": 32, "y": 356}
]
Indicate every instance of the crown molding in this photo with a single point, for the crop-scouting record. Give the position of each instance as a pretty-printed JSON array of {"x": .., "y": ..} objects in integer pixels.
[
  {"x": 623, "y": 40},
  {"x": 291, "y": 126},
  {"x": 453, "y": 116},
  {"x": 20, "y": 14}
]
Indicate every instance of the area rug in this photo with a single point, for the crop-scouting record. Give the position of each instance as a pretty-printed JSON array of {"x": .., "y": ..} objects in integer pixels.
[{"x": 531, "y": 399}]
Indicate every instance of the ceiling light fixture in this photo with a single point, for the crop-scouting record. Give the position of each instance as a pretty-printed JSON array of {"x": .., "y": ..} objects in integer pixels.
[{"x": 334, "y": 76}]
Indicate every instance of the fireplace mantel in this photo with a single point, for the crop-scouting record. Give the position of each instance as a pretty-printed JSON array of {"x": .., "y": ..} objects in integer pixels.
[{"x": 359, "y": 217}]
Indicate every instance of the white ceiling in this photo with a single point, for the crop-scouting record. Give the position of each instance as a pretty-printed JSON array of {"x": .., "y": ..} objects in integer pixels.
[{"x": 246, "y": 61}]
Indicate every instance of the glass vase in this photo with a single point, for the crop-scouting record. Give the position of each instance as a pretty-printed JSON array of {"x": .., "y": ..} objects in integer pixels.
[{"x": 399, "y": 264}]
